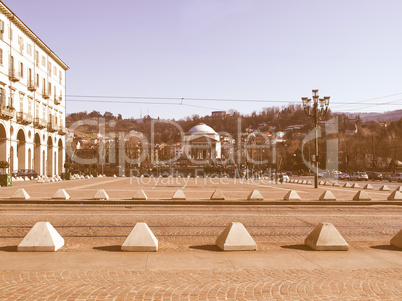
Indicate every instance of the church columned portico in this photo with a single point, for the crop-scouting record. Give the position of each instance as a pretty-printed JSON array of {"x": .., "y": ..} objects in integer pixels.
[{"x": 202, "y": 145}]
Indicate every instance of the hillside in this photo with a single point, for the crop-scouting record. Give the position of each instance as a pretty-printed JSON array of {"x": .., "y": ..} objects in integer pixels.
[{"x": 386, "y": 116}]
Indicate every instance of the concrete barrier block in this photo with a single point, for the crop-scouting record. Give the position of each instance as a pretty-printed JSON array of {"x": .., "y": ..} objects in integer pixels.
[
  {"x": 384, "y": 188},
  {"x": 255, "y": 195},
  {"x": 368, "y": 187},
  {"x": 347, "y": 185},
  {"x": 40, "y": 180},
  {"x": 362, "y": 196},
  {"x": 336, "y": 184},
  {"x": 235, "y": 237},
  {"x": 325, "y": 237},
  {"x": 20, "y": 194},
  {"x": 141, "y": 239},
  {"x": 140, "y": 195},
  {"x": 355, "y": 185},
  {"x": 179, "y": 195},
  {"x": 41, "y": 238},
  {"x": 396, "y": 241},
  {"x": 101, "y": 195},
  {"x": 327, "y": 196},
  {"x": 395, "y": 196},
  {"x": 217, "y": 195},
  {"x": 61, "y": 194},
  {"x": 292, "y": 196}
]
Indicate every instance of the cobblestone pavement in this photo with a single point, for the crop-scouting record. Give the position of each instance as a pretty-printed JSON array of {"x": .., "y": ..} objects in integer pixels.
[
  {"x": 281, "y": 269},
  {"x": 203, "y": 285}
]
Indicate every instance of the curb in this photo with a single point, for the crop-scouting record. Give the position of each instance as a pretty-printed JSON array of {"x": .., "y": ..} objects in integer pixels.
[{"x": 197, "y": 202}]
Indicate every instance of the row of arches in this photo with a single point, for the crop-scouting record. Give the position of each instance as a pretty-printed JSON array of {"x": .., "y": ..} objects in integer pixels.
[{"x": 44, "y": 155}]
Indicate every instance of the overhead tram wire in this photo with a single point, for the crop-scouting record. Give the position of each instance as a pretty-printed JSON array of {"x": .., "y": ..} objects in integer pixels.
[
  {"x": 182, "y": 98},
  {"x": 146, "y": 103},
  {"x": 370, "y": 105},
  {"x": 180, "y": 101}
]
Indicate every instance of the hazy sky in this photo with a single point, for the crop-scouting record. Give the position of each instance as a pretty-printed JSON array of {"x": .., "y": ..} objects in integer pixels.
[{"x": 222, "y": 49}]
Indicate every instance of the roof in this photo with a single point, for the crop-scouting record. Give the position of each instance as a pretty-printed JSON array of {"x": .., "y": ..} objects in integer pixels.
[
  {"x": 201, "y": 129},
  {"x": 21, "y": 25}
]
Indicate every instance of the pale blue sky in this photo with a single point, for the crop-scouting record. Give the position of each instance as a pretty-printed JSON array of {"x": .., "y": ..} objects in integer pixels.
[{"x": 222, "y": 49}]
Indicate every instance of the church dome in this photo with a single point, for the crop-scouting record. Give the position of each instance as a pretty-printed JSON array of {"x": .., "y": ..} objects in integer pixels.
[{"x": 201, "y": 129}]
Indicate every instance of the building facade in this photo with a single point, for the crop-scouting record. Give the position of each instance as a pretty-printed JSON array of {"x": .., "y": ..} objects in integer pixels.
[
  {"x": 32, "y": 99},
  {"x": 202, "y": 145}
]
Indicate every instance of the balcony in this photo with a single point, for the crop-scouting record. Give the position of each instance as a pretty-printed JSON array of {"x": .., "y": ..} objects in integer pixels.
[
  {"x": 57, "y": 100},
  {"x": 62, "y": 130},
  {"x": 6, "y": 112},
  {"x": 40, "y": 123},
  {"x": 32, "y": 85},
  {"x": 52, "y": 127},
  {"x": 45, "y": 94},
  {"x": 24, "y": 118},
  {"x": 14, "y": 75}
]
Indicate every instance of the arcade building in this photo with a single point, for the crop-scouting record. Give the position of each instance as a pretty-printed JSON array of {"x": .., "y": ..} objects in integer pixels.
[{"x": 32, "y": 99}]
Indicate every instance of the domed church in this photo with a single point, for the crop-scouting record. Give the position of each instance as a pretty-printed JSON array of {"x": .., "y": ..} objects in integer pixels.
[{"x": 202, "y": 145}]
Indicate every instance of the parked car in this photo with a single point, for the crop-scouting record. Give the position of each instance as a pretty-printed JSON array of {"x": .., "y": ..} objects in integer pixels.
[
  {"x": 395, "y": 177},
  {"x": 359, "y": 176},
  {"x": 342, "y": 176},
  {"x": 373, "y": 175},
  {"x": 25, "y": 173},
  {"x": 324, "y": 174}
]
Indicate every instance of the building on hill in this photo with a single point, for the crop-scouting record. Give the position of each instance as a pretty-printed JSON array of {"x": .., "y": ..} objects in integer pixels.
[
  {"x": 218, "y": 114},
  {"x": 202, "y": 145},
  {"x": 32, "y": 99}
]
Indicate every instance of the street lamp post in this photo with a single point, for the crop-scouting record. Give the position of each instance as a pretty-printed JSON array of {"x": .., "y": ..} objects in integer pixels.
[{"x": 315, "y": 110}]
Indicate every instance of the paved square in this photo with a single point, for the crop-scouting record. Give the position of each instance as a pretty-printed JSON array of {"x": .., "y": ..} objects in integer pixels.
[{"x": 188, "y": 266}]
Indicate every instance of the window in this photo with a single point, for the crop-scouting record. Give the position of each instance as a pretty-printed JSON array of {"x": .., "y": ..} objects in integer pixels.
[
  {"x": 55, "y": 70},
  {"x": 43, "y": 111},
  {"x": 1, "y": 56},
  {"x": 37, "y": 109},
  {"x": 29, "y": 105},
  {"x": 21, "y": 43},
  {"x": 1, "y": 29},
  {"x": 36, "y": 58},
  {"x": 21, "y": 71},
  {"x": 29, "y": 49},
  {"x": 21, "y": 103},
  {"x": 37, "y": 80},
  {"x": 49, "y": 68},
  {"x": 43, "y": 61},
  {"x": 2, "y": 97},
  {"x": 10, "y": 33},
  {"x": 30, "y": 82}
]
